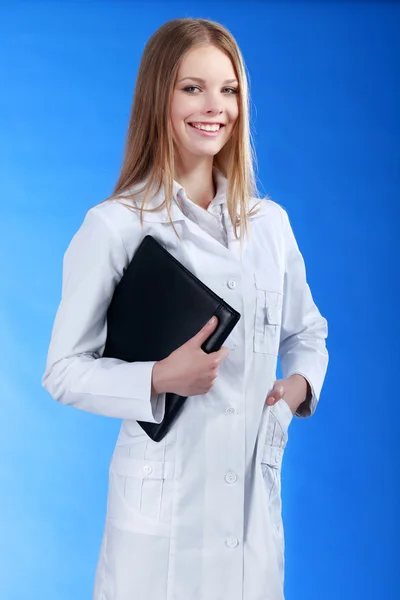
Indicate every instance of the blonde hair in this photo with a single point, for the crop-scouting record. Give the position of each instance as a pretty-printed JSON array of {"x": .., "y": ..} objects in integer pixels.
[{"x": 149, "y": 149}]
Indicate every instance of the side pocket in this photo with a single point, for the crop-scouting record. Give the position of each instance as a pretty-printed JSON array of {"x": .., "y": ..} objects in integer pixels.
[
  {"x": 271, "y": 462},
  {"x": 276, "y": 439}
]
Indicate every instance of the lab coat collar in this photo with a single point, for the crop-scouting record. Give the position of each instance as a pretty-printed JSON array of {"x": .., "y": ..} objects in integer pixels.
[
  {"x": 176, "y": 214},
  {"x": 221, "y": 183}
]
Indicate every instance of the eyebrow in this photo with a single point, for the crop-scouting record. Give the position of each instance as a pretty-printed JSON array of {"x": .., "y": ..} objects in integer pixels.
[{"x": 200, "y": 80}]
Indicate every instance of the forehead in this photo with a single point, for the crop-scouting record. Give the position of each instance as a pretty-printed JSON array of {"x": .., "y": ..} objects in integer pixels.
[{"x": 196, "y": 62}]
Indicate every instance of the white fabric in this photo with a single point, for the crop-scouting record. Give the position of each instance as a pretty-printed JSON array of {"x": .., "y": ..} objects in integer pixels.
[
  {"x": 198, "y": 515},
  {"x": 210, "y": 220}
]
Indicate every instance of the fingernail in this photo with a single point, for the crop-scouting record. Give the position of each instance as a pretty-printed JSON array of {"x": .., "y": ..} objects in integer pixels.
[{"x": 211, "y": 321}]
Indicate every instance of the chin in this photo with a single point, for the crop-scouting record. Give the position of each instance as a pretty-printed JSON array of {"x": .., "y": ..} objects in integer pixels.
[
  {"x": 203, "y": 154},
  {"x": 211, "y": 151}
]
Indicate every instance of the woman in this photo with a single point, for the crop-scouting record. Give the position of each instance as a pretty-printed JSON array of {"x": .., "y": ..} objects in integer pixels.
[{"x": 198, "y": 515}]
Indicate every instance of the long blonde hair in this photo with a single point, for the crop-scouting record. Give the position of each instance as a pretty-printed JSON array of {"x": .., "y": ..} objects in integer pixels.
[{"x": 149, "y": 150}]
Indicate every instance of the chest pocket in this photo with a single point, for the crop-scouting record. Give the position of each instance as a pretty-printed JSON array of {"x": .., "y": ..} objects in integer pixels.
[{"x": 268, "y": 316}]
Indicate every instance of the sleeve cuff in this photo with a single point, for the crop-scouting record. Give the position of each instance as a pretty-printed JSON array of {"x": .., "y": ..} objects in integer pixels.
[
  {"x": 308, "y": 407},
  {"x": 157, "y": 402}
]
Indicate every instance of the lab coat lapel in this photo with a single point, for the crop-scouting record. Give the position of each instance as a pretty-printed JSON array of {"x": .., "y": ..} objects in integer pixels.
[
  {"x": 234, "y": 245},
  {"x": 210, "y": 242},
  {"x": 233, "y": 249}
]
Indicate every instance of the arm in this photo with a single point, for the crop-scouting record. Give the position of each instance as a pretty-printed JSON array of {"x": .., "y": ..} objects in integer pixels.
[
  {"x": 76, "y": 374},
  {"x": 303, "y": 332}
]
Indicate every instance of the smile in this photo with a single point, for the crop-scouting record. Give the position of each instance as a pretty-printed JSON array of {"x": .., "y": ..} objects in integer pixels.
[{"x": 210, "y": 130}]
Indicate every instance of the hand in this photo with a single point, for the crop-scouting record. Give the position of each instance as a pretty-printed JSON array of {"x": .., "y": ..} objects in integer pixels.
[
  {"x": 189, "y": 371},
  {"x": 293, "y": 390}
]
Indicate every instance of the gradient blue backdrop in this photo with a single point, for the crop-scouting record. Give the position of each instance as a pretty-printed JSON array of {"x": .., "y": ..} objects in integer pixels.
[{"x": 325, "y": 94}]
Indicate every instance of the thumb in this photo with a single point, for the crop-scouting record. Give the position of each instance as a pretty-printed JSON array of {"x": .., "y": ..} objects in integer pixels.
[
  {"x": 276, "y": 393},
  {"x": 205, "y": 332}
]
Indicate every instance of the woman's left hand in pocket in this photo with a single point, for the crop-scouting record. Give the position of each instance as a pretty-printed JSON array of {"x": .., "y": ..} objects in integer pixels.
[{"x": 293, "y": 390}]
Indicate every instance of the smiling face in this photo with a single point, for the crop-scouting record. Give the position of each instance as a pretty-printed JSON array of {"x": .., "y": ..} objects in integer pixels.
[{"x": 206, "y": 92}]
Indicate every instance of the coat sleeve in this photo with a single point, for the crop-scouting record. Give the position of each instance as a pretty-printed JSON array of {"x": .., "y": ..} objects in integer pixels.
[
  {"x": 303, "y": 331},
  {"x": 76, "y": 374}
]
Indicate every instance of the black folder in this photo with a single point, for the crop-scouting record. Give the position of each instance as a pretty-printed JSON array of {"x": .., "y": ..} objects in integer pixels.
[{"x": 157, "y": 306}]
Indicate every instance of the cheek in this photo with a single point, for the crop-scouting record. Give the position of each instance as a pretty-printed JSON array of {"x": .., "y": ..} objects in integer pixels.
[
  {"x": 182, "y": 108},
  {"x": 176, "y": 111},
  {"x": 234, "y": 113},
  {"x": 174, "y": 114},
  {"x": 176, "y": 123}
]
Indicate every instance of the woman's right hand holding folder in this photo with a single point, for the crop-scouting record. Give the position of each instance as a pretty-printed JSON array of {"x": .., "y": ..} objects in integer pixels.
[{"x": 189, "y": 371}]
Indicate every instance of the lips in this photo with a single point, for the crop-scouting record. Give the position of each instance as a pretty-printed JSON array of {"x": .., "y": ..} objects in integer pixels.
[{"x": 198, "y": 123}]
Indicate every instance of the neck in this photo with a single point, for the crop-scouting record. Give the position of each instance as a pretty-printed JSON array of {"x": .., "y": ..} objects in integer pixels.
[{"x": 197, "y": 179}]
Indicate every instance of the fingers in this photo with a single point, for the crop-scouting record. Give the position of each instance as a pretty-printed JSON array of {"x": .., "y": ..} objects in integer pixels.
[
  {"x": 222, "y": 353},
  {"x": 217, "y": 357},
  {"x": 205, "y": 332},
  {"x": 275, "y": 395}
]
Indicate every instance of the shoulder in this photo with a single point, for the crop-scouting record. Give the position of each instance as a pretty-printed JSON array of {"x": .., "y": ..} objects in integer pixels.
[
  {"x": 115, "y": 219},
  {"x": 269, "y": 212},
  {"x": 271, "y": 226},
  {"x": 113, "y": 212}
]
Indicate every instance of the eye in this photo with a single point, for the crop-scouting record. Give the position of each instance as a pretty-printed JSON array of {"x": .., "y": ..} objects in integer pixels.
[{"x": 195, "y": 87}]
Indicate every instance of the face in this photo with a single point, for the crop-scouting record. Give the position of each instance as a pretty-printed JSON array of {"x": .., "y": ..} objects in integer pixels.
[{"x": 206, "y": 91}]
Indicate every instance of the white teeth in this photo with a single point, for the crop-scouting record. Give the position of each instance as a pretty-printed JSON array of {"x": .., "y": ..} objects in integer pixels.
[{"x": 206, "y": 127}]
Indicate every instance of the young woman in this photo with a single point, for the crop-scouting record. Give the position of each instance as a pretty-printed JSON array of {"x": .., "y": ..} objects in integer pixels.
[{"x": 196, "y": 516}]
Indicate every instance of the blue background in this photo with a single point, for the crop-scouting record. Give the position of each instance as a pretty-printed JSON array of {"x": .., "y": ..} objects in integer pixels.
[{"x": 325, "y": 102}]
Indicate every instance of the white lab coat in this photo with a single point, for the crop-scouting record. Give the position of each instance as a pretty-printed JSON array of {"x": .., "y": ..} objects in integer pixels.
[{"x": 196, "y": 516}]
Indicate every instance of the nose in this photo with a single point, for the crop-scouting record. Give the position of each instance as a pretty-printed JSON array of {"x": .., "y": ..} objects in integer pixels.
[
  {"x": 212, "y": 104},
  {"x": 214, "y": 111}
]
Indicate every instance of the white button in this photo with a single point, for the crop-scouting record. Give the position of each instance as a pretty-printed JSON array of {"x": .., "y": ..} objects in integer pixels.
[
  {"x": 231, "y": 284},
  {"x": 230, "y": 410},
  {"x": 231, "y": 542},
  {"x": 230, "y": 477},
  {"x": 148, "y": 469}
]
